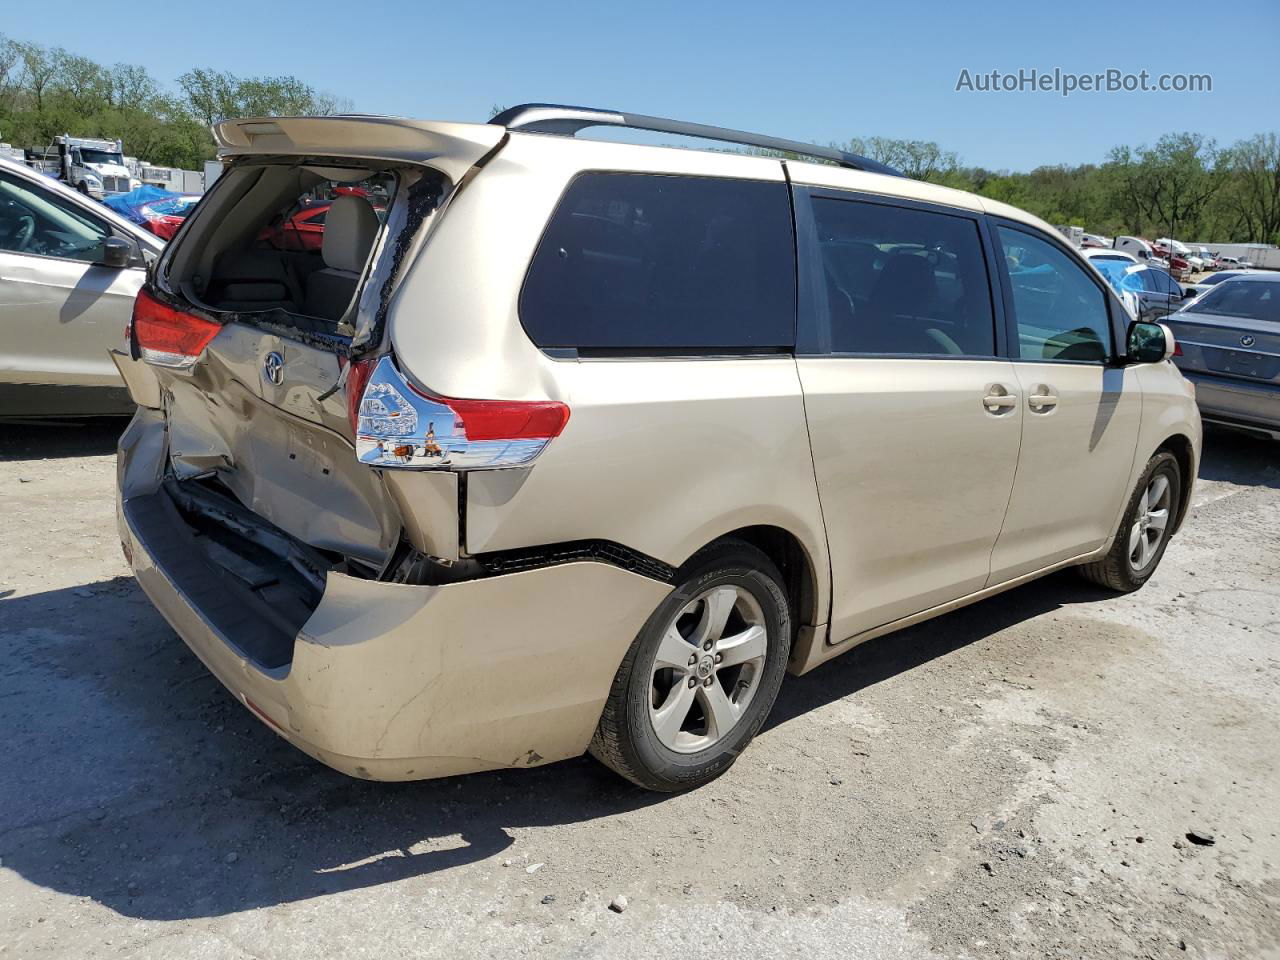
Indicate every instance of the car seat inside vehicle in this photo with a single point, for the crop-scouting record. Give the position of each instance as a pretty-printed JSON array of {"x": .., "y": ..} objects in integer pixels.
[
  {"x": 349, "y": 233},
  {"x": 292, "y": 238}
]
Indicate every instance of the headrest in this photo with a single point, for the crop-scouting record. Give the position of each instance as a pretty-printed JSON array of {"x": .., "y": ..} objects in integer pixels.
[
  {"x": 349, "y": 229},
  {"x": 906, "y": 285}
]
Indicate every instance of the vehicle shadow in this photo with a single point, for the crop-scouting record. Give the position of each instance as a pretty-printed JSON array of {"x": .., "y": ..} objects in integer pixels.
[
  {"x": 1243, "y": 458},
  {"x": 877, "y": 660},
  {"x": 59, "y": 438},
  {"x": 151, "y": 790},
  {"x": 134, "y": 779}
]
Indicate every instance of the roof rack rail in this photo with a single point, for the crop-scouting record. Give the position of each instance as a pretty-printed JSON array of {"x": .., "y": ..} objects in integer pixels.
[{"x": 566, "y": 121}]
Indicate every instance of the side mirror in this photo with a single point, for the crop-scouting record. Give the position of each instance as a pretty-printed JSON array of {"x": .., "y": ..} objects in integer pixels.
[
  {"x": 1149, "y": 343},
  {"x": 116, "y": 253}
]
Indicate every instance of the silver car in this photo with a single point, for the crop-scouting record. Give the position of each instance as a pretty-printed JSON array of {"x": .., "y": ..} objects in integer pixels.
[
  {"x": 1230, "y": 349},
  {"x": 69, "y": 271}
]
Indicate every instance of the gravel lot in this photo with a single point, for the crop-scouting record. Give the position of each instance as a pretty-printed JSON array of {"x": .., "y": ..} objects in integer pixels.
[{"x": 1017, "y": 779}]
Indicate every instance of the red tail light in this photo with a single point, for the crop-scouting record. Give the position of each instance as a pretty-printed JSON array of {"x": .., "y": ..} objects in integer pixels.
[
  {"x": 1177, "y": 349},
  {"x": 167, "y": 337},
  {"x": 504, "y": 419},
  {"x": 398, "y": 425},
  {"x": 357, "y": 379}
]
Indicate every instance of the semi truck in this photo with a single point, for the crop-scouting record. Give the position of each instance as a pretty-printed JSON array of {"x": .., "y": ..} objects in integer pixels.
[
  {"x": 94, "y": 167},
  {"x": 1264, "y": 256}
]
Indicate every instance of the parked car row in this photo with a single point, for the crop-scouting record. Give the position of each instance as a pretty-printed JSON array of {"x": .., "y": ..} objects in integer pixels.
[
  {"x": 1177, "y": 258},
  {"x": 1150, "y": 294}
]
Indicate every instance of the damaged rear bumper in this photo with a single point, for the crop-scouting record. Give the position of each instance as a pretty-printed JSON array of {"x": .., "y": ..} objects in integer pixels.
[{"x": 391, "y": 681}]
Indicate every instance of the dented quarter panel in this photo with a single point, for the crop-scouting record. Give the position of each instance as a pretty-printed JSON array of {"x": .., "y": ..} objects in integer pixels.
[
  {"x": 279, "y": 449},
  {"x": 456, "y": 330},
  {"x": 493, "y": 669},
  {"x": 398, "y": 682},
  {"x": 428, "y": 506}
]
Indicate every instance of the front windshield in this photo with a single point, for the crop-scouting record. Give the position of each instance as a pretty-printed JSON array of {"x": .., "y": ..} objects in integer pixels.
[
  {"x": 1216, "y": 278},
  {"x": 1247, "y": 299},
  {"x": 100, "y": 156}
]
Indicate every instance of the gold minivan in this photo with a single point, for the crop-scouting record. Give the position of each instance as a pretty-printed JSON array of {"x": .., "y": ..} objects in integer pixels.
[{"x": 540, "y": 445}]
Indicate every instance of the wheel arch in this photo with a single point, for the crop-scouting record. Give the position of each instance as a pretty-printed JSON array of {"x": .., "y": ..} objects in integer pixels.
[
  {"x": 1179, "y": 444},
  {"x": 794, "y": 562}
]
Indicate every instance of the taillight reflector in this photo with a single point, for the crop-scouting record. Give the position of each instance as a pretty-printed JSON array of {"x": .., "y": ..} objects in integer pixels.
[
  {"x": 167, "y": 337},
  {"x": 398, "y": 425}
]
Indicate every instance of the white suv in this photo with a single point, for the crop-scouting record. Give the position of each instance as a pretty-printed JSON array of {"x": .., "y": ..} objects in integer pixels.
[{"x": 543, "y": 445}]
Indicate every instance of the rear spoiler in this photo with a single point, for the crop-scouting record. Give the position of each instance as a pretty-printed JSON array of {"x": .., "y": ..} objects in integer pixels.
[{"x": 452, "y": 148}]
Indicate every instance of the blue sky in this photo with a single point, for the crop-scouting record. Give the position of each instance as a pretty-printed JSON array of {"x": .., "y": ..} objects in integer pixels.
[{"x": 809, "y": 70}]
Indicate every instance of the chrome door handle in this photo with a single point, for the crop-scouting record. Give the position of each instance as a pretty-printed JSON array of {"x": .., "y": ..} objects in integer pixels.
[
  {"x": 1042, "y": 399},
  {"x": 999, "y": 400}
]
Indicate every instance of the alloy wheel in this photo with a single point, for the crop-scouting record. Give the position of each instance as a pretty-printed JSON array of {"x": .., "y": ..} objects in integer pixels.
[
  {"x": 707, "y": 668},
  {"x": 1148, "y": 529}
]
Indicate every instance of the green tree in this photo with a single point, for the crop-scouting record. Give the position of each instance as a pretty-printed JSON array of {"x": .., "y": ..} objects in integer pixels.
[
  {"x": 214, "y": 96},
  {"x": 1252, "y": 192},
  {"x": 918, "y": 159},
  {"x": 1168, "y": 185}
]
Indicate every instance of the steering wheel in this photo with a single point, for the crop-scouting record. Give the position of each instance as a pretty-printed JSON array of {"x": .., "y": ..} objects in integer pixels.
[{"x": 23, "y": 232}]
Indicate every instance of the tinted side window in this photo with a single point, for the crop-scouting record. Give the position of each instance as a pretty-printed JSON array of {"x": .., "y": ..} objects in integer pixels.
[
  {"x": 1148, "y": 280},
  {"x": 1165, "y": 283},
  {"x": 40, "y": 222},
  {"x": 903, "y": 281},
  {"x": 646, "y": 262},
  {"x": 1061, "y": 313}
]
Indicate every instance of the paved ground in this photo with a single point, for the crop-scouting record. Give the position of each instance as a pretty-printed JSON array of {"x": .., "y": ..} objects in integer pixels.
[{"x": 1013, "y": 780}]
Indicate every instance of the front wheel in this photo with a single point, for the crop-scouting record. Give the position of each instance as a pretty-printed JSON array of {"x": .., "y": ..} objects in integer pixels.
[
  {"x": 1144, "y": 530},
  {"x": 700, "y": 678}
]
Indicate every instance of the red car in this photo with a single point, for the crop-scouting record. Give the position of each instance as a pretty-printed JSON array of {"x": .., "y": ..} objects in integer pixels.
[
  {"x": 164, "y": 217},
  {"x": 304, "y": 230}
]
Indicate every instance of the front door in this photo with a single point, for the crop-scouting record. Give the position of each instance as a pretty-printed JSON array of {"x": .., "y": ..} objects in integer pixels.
[
  {"x": 914, "y": 420},
  {"x": 1081, "y": 410}
]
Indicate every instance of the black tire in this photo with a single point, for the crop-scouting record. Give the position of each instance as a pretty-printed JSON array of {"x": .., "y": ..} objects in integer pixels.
[
  {"x": 625, "y": 739},
  {"x": 83, "y": 187},
  {"x": 1116, "y": 571}
]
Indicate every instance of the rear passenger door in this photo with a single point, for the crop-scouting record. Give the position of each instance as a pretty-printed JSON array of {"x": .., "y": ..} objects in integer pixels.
[
  {"x": 914, "y": 417},
  {"x": 1081, "y": 407}
]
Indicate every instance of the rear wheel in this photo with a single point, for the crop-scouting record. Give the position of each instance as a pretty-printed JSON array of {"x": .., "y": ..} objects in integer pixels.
[
  {"x": 700, "y": 678},
  {"x": 1144, "y": 530}
]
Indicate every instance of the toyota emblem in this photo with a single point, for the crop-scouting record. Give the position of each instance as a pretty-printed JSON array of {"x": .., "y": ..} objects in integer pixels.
[
  {"x": 273, "y": 367},
  {"x": 1246, "y": 341}
]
